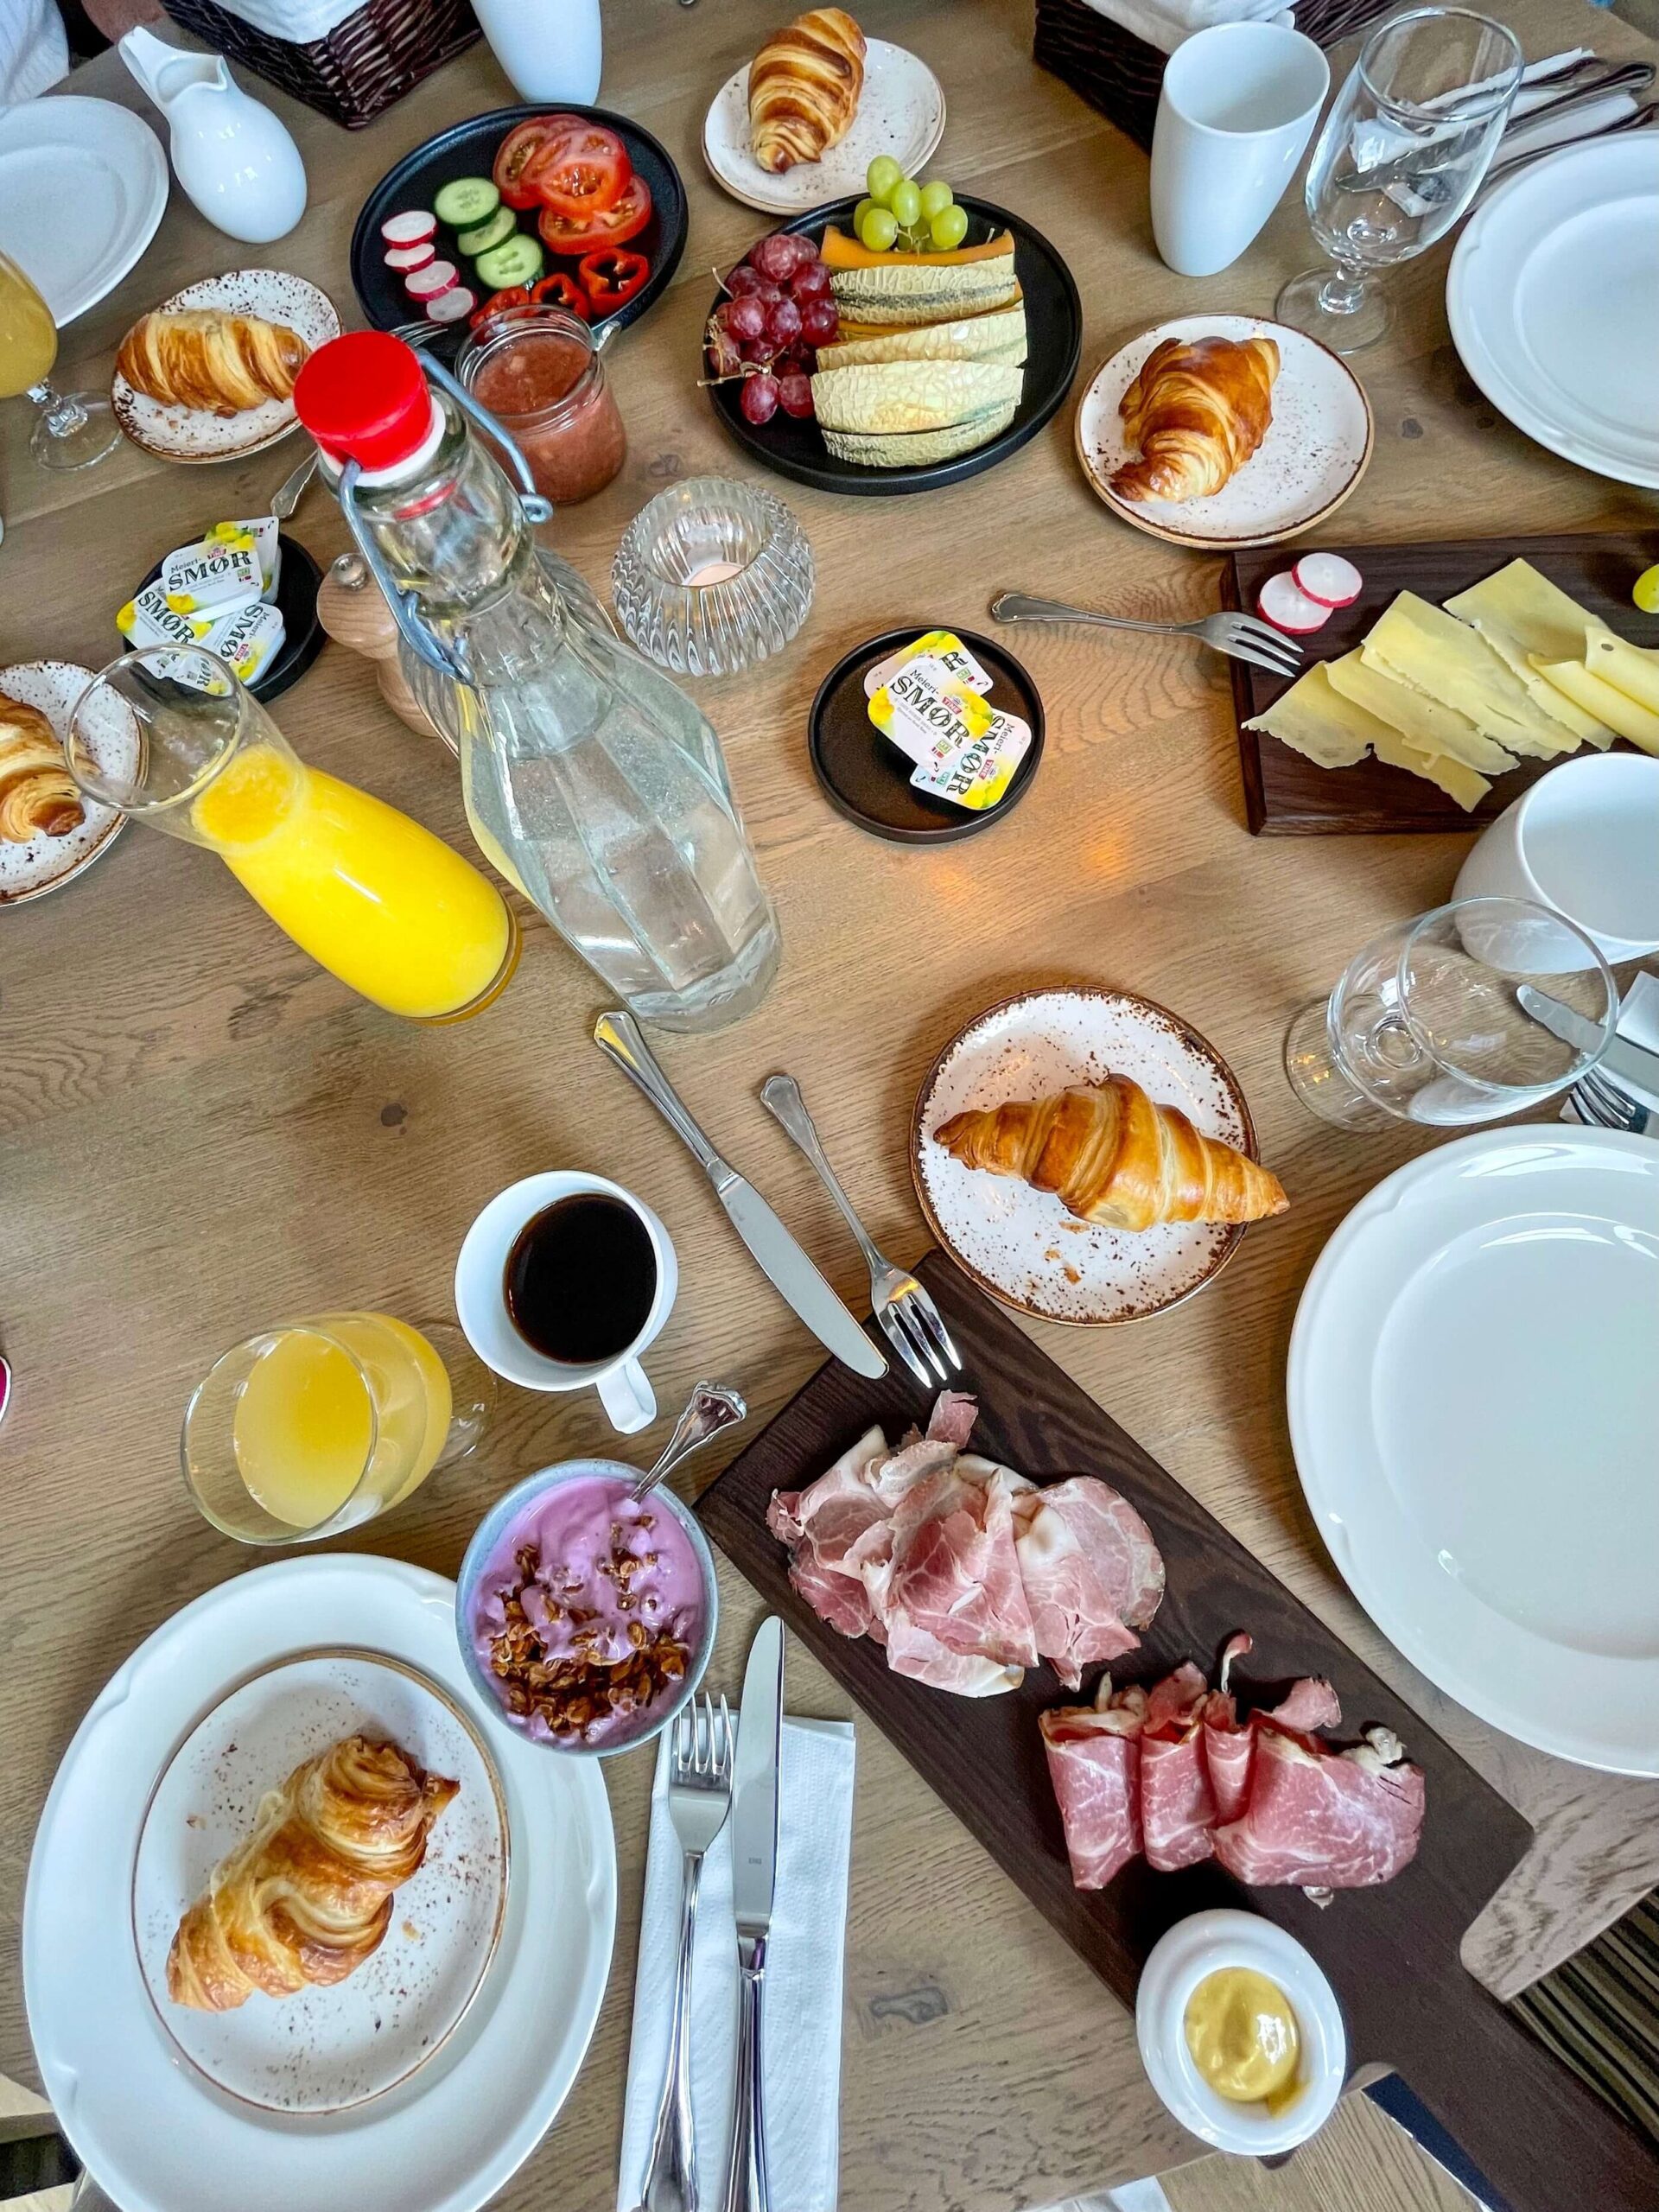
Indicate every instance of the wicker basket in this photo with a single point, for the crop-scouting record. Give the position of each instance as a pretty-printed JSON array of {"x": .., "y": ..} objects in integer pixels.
[
  {"x": 1121, "y": 74},
  {"x": 372, "y": 57}
]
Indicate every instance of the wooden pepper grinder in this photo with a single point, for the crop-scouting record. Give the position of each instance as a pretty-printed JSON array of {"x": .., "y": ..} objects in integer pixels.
[{"x": 352, "y": 608}]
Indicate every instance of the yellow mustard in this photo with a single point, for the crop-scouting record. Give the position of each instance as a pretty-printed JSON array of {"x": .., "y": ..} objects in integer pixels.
[{"x": 1242, "y": 2034}]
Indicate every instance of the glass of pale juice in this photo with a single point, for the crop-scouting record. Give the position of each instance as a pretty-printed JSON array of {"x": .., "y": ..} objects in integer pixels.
[
  {"x": 315, "y": 1426},
  {"x": 73, "y": 429}
]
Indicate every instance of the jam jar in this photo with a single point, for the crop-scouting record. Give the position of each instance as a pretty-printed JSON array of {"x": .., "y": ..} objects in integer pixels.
[{"x": 538, "y": 369}]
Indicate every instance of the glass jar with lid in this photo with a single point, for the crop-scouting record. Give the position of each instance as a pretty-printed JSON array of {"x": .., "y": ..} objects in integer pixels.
[{"x": 540, "y": 371}]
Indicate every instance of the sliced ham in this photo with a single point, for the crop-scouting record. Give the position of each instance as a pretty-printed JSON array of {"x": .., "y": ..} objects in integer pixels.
[
  {"x": 823, "y": 1524},
  {"x": 1092, "y": 1574},
  {"x": 1324, "y": 1819},
  {"x": 955, "y": 1574},
  {"x": 1094, "y": 1762},
  {"x": 952, "y": 1419},
  {"x": 1230, "y": 1748},
  {"x": 1178, "y": 1812}
]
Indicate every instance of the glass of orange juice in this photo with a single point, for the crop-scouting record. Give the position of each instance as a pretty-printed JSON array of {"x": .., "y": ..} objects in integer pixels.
[
  {"x": 316, "y": 1425},
  {"x": 370, "y": 894},
  {"x": 75, "y": 427}
]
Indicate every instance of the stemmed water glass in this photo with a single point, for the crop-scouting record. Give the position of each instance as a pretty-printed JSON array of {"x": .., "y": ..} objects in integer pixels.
[
  {"x": 1401, "y": 154},
  {"x": 1429, "y": 1022},
  {"x": 75, "y": 429}
]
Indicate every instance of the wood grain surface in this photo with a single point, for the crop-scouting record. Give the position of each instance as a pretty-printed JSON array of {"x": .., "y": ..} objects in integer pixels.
[
  {"x": 202, "y": 1133},
  {"x": 1286, "y": 794}
]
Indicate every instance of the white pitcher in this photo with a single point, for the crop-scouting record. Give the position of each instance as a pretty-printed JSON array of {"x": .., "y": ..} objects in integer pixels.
[{"x": 234, "y": 158}]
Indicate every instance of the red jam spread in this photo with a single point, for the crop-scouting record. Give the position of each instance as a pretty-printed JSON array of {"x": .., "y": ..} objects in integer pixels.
[{"x": 563, "y": 418}]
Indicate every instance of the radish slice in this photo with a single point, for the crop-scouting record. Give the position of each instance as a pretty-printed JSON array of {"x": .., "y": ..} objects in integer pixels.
[
  {"x": 406, "y": 258},
  {"x": 1283, "y": 603},
  {"x": 409, "y": 229},
  {"x": 427, "y": 282},
  {"x": 451, "y": 306},
  {"x": 1328, "y": 578}
]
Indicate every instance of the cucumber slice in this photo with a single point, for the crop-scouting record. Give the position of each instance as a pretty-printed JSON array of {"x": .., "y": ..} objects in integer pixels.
[
  {"x": 518, "y": 262},
  {"x": 490, "y": 232},
  {"x": 467, "y": 201}
]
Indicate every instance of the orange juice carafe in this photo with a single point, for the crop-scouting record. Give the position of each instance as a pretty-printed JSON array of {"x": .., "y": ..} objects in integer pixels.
[{"x": 370, "y": 894}]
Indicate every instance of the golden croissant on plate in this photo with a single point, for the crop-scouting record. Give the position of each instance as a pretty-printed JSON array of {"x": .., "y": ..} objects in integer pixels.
[
  {"x": 1110, "y": 1155},
  {"x": 37, "y": 794},
  {"x": 804, "y": 88},
  {"x": 207, "y": 358},
  {"x": 307, "y": 1898},
  {"x": 1198, "y": 411}
]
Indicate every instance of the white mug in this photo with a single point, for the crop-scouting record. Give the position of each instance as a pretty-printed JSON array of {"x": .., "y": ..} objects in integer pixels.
[
  {"x": 549, "y": 49},
  {"x": 1584, "y": 841},
  {"x": 1238, "y": 106},
  {"x": 481, "y": 1301}
]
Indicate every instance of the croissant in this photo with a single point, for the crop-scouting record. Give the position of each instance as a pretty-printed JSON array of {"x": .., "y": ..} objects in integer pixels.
[
  {"x": 307, "y": 1896},
  {"x": 204, "y": 357},
  {"x": 37, "y": 794},
  {"x": 1198, "y": 411},
  {"x": 804, "y": 88},
  {"x": 1111, "y": 1155}
]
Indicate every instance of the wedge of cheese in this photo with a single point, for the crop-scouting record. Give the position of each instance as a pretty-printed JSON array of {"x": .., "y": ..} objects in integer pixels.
[
  {"x": 999, "y": 336},
  {"x": 1625, "y": 666},
  {"x": 1420, "y": 644},
  {"x": 1315, "y": 720},
  {"x": 1458, "y": 782},
  {"x": 1519, "y": 611},
  {"x": 1427, "y": 723},
  {"x": 1621, "y": 714}
]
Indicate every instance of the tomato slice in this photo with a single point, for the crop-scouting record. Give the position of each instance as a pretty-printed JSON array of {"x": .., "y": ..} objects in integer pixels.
[
  {"x": 583, "y": 171},
  {"x": 515, "y": 296},
  {"x": 517, "y": 155},
  {"x": 612, "y": 276},
  {"x": 614, "y": 225},
  {"x": 559, "y": 290}
]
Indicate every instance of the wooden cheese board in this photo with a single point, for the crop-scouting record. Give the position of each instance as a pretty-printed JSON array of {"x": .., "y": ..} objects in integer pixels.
[
  {"x": 1543, "y": 2139},
  {"x": 1285, "y": 795}
]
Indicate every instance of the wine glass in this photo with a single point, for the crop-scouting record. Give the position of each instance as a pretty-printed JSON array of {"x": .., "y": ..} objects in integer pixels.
[
  {"x": 1429, "y": 1023},
  {"x": 1401, "y": 154},
  {"x": 75, "y": 429}
]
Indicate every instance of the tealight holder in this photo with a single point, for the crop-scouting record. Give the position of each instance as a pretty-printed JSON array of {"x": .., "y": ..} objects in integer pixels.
[{"x": 712, "y": 577}]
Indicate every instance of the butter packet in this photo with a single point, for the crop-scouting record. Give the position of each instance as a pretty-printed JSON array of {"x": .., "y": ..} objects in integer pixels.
[
  {"x": 263, "y": 533},
  {"x": 210, "y": 579},
  {"x": 940, "y": 644},
  {"x": 965, "y": 750},
  {"x": 148, "y": 621},
  {"x": 249, "y": 638}
]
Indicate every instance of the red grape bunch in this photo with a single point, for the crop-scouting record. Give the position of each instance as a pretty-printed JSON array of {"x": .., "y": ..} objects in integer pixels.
[{"x": 779, "y": 309}]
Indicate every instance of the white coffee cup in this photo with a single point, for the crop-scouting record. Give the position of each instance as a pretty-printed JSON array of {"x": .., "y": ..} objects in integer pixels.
[
  {"x": 1584, "y": 841},
  {"x": 482, "y": 1301},
  {"x": 548, "y": 49},
  {"x": 1238, "y": 106}
]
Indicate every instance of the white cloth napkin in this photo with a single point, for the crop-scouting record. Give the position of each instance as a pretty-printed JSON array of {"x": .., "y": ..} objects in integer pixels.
[
  {"x": 802, "y": 2016},
  {"x": 1165, "y": 24},
  {"x": 1638, "y": 1021}
]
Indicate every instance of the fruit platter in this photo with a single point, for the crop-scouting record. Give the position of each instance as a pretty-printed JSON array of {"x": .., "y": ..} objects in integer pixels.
[
  {"x": 575, "y": 206},
  {"x": 903, "y": 340}
]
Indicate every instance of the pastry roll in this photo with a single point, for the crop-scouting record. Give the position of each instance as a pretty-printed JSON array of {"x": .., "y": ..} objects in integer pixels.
[
  {"x": 204, "y": 357},
  {"x": 37, "y": 794},
  {"x": 1198, "y": 411},
  {"x": 804, "y": 88}
]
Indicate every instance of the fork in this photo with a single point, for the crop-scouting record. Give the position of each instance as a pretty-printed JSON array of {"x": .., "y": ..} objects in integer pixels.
[
  {"x": 1241, "y": 637},
  {"x": 910, "y": 1319},
  {"x": 699, "y": 1798},
  {"x": 1602, "y": 1102}
]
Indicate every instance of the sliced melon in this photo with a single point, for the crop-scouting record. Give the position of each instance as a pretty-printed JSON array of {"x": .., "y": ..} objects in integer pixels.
[
  {"x": 896, "y": 395},
  {"x": 919, "y": 448},
  {"x": 837, "y": 251},
  {"x": 1000, "y": 336},
  {"x": 853, "y": 331},
  {"x": 905, "y": 291}
]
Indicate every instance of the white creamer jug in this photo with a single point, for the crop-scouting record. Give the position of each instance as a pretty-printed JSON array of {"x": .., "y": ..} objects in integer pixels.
[{"x": 234, "y": 158}]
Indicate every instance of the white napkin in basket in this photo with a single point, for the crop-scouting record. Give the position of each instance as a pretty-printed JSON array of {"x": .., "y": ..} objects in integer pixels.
[{"x": 1164, "y": 23}]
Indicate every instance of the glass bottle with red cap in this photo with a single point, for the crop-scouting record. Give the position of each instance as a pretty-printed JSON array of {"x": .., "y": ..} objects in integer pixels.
[{"x": 592, "y": 782}]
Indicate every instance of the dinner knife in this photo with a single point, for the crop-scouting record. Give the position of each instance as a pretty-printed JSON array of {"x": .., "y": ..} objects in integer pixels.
[
  {"x": 754, "y": 1866},
  {"x": 779, "y": 1258},
  {"x": 1623, "y": 1061}
]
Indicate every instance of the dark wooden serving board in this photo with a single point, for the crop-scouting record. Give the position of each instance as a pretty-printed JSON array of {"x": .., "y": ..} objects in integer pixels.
[
  {"x": 1545, "y": 2142},
  {"x": 1285, "y": 795}
]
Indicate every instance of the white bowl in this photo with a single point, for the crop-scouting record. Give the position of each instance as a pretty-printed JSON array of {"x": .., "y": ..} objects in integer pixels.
[
  {"x": 1582, "y": 840},
  {"x": 1200, "y": 1946}
]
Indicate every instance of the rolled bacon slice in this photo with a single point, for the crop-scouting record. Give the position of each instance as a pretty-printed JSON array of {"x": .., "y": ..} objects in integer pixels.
[
  {"x": 1094, "y": 1762},
  {"x": 1325, "y": 1820}
]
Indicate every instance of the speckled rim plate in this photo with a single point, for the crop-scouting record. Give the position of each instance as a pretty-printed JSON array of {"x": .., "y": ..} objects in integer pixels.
[
  {"x": 194, "y": 436},
  {"x": 900, "y": 111},
  {"x": 1317, "y": 449},
  {"x": 326, "y": 2049},
  {"x": 1020, "y": 1246},
  {"x": 48, "y": 863}
]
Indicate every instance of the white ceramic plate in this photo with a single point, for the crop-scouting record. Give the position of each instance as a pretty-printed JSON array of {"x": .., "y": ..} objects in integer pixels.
[
  {"x": 323, "y": 2050},
  {"x": 900, "y": 111},
  {"x": 1552, "y": 296},
  {"x": 193, "y": 433},
  {"x": 1022, "y": 1245},
  {"x": 1471, "y": 1408},
  {"x": 1316, "y": 450},
  {"x": 83, "y": 185},
  {"x": 156, "y": 2137},
  {"x": 48, "y": 863}
]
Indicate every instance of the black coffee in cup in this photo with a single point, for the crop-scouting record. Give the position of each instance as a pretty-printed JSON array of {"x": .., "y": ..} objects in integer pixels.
[{"x": 581, "y": 1278}]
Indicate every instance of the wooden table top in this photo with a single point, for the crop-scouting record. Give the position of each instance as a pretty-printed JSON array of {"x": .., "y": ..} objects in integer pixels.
[{"x": 204, "y": 1132}]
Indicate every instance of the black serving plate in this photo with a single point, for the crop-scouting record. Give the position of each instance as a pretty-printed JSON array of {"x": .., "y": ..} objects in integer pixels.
[
  {"x": 795, "y": 446},
  {"x": 866, "y": 778},
  {"x": 469, "y": 149},
  {"x": 303, "y": 635}
]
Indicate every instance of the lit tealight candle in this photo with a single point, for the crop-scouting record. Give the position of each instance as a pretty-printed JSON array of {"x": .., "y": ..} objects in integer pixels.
[{"x": 713, "y": 572}]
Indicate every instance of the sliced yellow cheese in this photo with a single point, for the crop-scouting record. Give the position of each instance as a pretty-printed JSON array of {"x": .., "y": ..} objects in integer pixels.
[
  {"x": 1458, "y": 782},
  {"x": 894, "y": 395},
  {"x": 1427, "y": 722},
  {"x": 1625, "y": 666},
  {"x": 1315, "y": 720},
  {"x": 1627, "y": 716},
  {"x": 1421, "y": 644},
  {"x": 1519, "y": 611}
]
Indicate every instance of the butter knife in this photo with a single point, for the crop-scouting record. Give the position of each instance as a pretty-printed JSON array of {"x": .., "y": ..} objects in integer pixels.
[
  {"x": 779, "y": 1258},
  {"x": 1622, "y": 1060},
  {"x": 754, "y": 1868}
]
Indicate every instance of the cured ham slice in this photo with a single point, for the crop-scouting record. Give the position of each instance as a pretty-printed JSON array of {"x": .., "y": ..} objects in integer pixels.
[
  {"x": 955, "y": 1574},
  {"x": 1326, "y": 1821},
  {"x": 1092, "y": 1574},
  {"x": 1229, "y": 1749},
  {"x": 1094, "y": 1762},
  {"x": 1178, "y": 1811},
  {"x": 822, "y": 1525}
]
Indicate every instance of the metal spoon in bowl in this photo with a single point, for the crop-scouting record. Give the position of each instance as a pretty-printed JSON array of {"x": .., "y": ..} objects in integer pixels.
[{"x": 710, "y": 1408}]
